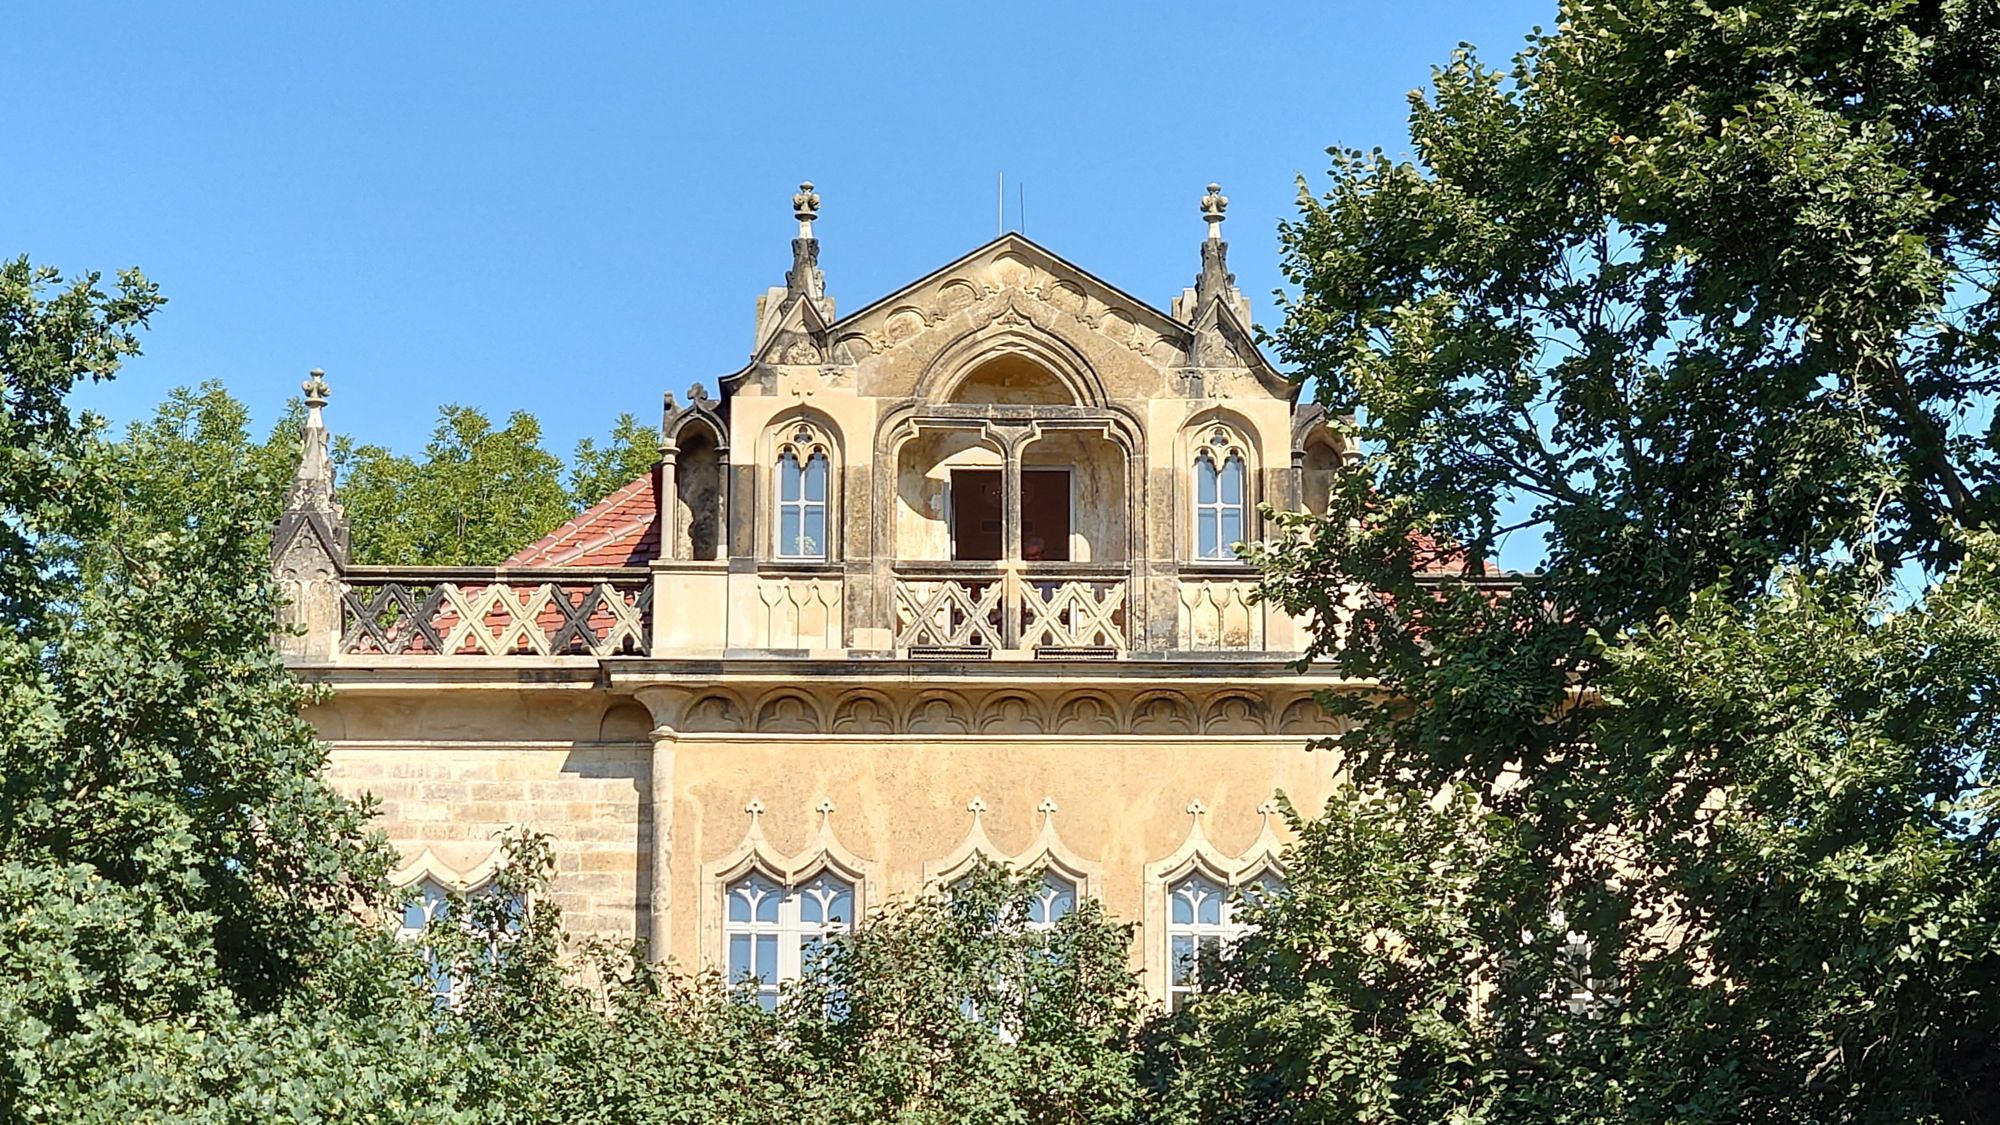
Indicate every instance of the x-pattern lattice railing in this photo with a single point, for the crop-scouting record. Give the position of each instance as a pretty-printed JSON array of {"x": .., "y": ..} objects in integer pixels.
[
  {"x": 1012, "y": 610},
  {"x": 451, "y": 612},
  {"x": 1088, "y": 613},
  {"x": 949, "y": 613}
]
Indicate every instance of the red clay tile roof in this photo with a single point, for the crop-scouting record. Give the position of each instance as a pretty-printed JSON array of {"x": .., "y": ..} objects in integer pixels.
[{"x": 623, "y": 529}]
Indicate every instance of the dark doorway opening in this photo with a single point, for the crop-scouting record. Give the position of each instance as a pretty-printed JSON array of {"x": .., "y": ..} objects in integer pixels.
[
  {"x": 976, "y": 508},
  {"x": 975, "y": 514},
  {"x": 1045, "y": 515}
]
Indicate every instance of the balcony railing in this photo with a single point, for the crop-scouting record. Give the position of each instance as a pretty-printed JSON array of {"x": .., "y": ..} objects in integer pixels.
[
  {"x": 1039, "y": 609},
  {"x": 488, "y": 611}
]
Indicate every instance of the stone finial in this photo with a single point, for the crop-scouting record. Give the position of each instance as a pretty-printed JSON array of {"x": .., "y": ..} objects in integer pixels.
[
  {"x": 976, "y": 806},
  {"x": 1213, "y": 206},
  {"x": 824, "y": 808},
  {"x": 805, "y": 208},
  {"x": 1196, "y": 808},
  {"x": 315, "y": 388},
  {"x": 1267, "y": 810},
  {"x": 1048, "y": 807},
  {"x": 754, "y": 807},
  {"x": 697, "y": 395},
  {"x": 1215, "y": 282}
]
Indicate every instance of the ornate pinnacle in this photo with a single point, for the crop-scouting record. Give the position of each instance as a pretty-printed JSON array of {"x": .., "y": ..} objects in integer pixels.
[
  {"x": 312, "y": 482},
  {"x": 310, "y": 499},
  {"x": 976, "y": 806},
  {"x": 1215, "y": 282},
  {"x": 805, "y": 278},
  {"x": 805, "y": 208},
  {"x": 1213, "y": 206}
]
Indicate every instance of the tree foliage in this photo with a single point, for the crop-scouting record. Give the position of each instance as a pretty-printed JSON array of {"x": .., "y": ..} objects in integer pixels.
[{"x": 1703, "y": 296}]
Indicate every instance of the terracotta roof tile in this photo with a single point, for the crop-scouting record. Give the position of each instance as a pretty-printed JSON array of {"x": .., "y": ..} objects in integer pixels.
[{"x": 620, "y": 530}]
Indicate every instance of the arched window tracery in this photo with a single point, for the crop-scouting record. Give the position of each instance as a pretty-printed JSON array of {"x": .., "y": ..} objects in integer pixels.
[
  {"x": 804, "y": 472},
  {"x": 1205, "y": 920},
  {"x": 773, "y": 933},
  {"x": 1221, "y": 489}
]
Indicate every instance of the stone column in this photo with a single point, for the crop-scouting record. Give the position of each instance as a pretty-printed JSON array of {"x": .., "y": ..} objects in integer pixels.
[
  {"x": 660, "y": 813},
  {"x": 665, "y": 704}
]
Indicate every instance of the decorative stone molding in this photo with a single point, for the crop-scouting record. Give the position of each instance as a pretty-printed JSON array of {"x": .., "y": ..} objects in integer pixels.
[
  {"x": 427, "y": 864},
  {"x": 823, "y": 852},
  {"x": 1019, "y": 710},
  {"x": 1045, "y": 852},
  {"x": 1198, "y": 853}
]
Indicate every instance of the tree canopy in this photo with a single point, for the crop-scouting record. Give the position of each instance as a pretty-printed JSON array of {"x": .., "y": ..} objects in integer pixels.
[{"x": 1703, "y": 296}]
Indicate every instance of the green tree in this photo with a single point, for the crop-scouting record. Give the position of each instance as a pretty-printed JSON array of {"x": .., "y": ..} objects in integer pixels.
[
  {"x": 1703, "y": 295},
  {"x": 478, "y": 495},
  {"x": 186, "y": 926},
  {"x": 630, "y": 452}
]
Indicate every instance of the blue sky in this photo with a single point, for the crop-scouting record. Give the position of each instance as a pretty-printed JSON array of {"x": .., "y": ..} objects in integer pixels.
[{"x": 571, "y": 209}]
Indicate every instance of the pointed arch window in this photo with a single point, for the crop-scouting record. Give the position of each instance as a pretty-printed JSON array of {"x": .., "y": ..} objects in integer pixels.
[
  {"x": 1220, "y": 478},
  {"x": 1054, "y": 898},
  {"x": 773, "y": 932},
  {"x": 804, "y": 471},
  {"x": 1204, "y": 923},
  {"x": 430, "y": 904}
]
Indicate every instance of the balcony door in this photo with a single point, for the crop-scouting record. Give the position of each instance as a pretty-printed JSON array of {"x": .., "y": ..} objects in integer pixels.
[{"x": 978, "y": 511}]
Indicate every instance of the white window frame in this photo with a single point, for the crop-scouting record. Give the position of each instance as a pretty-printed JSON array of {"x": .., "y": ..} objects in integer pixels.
[
  {"x": 1219, "y": 452},
  {"x": 794, "y": 936},
  {"x": 1221, "y": 935},
  {"x": 792, "y": 462}
]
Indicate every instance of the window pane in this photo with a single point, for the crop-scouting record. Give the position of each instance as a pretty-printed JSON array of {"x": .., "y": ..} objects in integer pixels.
[
  {"x": 815, "y": 541},
  {"x": 788, "y": 477},
  {"x": 1207, "y": 545},
  {"x": 739, "y": 958},
  {"x": 1232, "y": 481},
  {"x": 1204, "y": 481},
  {"x": 767, "y": 904},
  {"x": 1232, "y": 528},
  {"x": 768, "y": 999},
  {"x": 767, "y": 958},
  {"x": 788, "y": 530},
  {"x": 816, "y": 477},
  {"x": 1183, "y": 958},
  {"x": 1183, "y": 906}
]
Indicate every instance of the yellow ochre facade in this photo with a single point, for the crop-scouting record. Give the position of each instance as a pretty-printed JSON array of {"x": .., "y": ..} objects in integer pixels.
[{"x": 946, "y": 577}]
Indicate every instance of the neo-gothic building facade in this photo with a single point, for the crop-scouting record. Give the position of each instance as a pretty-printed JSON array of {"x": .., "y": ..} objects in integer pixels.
[{"x": 947, "y": 577}]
